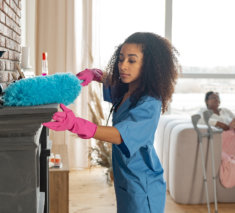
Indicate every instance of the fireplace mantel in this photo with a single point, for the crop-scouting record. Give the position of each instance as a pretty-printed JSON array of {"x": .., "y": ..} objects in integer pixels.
[
  {"x": 23, "y": 158},
  {"x": 20, "y": 121}
]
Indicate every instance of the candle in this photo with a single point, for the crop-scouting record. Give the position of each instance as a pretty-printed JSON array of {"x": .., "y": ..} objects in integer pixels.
[{"x": 25, "y": 62}]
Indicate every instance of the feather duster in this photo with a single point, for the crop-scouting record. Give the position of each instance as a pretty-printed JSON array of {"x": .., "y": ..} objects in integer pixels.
[{"x": 58, "y": 88}]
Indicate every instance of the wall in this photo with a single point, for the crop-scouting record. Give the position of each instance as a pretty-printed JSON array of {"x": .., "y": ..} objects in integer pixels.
[
  {"x": 28, "y": 36},
  {"x": 10, "y": 37}
]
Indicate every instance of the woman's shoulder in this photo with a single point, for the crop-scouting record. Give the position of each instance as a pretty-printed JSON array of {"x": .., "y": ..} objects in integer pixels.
[
  {"x": 201, "y": 110},
  {"x": 147, "y": 106},
  {"x": 226, "y": 110},
  {"x": 148, "y": 98}
]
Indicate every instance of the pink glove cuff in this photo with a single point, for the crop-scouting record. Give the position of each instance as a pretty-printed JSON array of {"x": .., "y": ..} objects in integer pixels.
[
  {"x": 97, "y": 74},
  {"x": 88, "y": 128}
]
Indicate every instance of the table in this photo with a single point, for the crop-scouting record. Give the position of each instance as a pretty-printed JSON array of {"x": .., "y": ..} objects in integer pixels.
[{"x": 59, "y": 182}]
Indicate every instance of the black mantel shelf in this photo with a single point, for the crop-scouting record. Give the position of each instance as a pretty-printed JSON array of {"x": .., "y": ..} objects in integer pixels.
[
  {"x": 48, "y": 108},
  {"x": 23, "y": 158}
]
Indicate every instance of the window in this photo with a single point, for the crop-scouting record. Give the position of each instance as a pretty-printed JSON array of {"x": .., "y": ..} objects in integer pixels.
[
  {"x": 113, "y": 21},
  {"x": 203, "y": 33}
]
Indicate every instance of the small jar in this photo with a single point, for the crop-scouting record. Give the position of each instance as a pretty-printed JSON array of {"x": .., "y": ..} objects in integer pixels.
[
  {"x": 52, "y": 158},
  {"x": 57, "y": 160}
]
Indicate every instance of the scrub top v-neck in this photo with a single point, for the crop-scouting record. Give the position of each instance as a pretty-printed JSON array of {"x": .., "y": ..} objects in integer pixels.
[{"x": 138, "y": 174}]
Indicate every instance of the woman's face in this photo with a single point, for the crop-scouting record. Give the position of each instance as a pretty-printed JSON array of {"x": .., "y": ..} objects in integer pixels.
[
  {"x": 130, "y": 63},
  {"x": 213, "y": 101}
]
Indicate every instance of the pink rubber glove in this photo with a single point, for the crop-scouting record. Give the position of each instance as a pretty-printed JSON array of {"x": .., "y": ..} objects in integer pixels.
[
  {"x": 89, "y": 75},
  {"x": 66, "y": 120}
]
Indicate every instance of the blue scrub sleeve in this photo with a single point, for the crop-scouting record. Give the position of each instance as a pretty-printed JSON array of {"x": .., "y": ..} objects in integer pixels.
[{"x": 138, "y": 129}]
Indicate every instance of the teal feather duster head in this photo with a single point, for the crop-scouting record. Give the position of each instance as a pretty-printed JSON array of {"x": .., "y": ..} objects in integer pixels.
[{"x": 58, "y": 88}]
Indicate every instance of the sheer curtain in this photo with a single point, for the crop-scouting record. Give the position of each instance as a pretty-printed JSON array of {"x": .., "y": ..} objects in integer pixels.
[{"x": 64, "y": 32}]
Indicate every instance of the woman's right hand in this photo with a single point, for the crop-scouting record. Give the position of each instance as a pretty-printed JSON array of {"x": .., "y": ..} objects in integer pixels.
[
  {"x": 89, "y": 75},
  {"x": 221, "y": 125}
]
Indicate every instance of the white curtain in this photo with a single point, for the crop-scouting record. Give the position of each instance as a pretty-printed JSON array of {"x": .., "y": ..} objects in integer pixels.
[{"x": 64, "y": 31}]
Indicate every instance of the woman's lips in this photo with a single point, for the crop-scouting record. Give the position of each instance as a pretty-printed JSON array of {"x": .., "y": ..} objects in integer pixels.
[{"x": 122, "y": 75}]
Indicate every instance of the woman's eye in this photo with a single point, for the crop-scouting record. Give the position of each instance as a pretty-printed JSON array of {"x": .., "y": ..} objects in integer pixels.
[{"x": 131, "y": 61}]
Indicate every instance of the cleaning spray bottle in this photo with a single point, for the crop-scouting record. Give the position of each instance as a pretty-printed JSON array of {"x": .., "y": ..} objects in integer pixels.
[{"x": 44, "y": 64}]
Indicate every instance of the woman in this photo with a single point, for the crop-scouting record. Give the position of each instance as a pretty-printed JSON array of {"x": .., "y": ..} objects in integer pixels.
[
  {"x": 142, "y": 75},
  {"x": 222, "y": 118}
]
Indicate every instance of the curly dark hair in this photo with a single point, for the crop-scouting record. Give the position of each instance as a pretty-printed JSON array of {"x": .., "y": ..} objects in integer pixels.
[
  {"x": 208, "y": 95},
  {"x": 160, "y": 69}
]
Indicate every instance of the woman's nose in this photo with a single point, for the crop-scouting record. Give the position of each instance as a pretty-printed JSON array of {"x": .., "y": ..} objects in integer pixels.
[{"x": 123, "y": 65}]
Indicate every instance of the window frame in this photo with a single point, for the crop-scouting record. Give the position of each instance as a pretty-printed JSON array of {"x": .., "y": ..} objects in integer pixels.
[{"x": 168, "y": 35}]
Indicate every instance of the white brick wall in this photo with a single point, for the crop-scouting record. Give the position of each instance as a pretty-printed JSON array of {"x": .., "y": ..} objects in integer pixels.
[{"x": 10, "y": 34}]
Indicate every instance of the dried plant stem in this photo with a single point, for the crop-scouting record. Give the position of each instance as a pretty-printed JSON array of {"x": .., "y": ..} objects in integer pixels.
[{"x": 101, "y": 152}]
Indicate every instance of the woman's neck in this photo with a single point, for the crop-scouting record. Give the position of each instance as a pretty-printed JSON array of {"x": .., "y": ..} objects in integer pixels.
[{"x": 132, "y": 87}]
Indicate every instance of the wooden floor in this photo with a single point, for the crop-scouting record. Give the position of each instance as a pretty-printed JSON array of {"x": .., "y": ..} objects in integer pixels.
[{"x": 89, "y": 193}]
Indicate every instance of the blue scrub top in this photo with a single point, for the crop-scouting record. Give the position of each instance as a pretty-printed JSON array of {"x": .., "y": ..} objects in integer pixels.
[{"x": 138, "y": 174}]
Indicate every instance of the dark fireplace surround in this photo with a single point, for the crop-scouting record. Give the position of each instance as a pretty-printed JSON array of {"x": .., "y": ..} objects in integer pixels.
[{"x": 24, "y": 151}]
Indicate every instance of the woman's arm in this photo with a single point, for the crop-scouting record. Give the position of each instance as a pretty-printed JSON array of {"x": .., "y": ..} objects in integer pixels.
[
  {"x": 85, "y": 129},
  {"x": 222, "y": 125},
  {"x": 104, "y": 78},
  {"x": 108, "y": 134}
]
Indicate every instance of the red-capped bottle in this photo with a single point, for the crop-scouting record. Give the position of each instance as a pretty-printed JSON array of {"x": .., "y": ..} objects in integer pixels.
[{"x": 44, "y": 64}]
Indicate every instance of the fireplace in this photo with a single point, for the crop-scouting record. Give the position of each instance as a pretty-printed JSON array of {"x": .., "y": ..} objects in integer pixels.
[{"x": 24, "y": 151}]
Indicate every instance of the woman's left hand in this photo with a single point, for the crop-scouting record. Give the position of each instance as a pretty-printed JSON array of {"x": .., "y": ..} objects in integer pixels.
[{"x": 89, "y": 75}]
